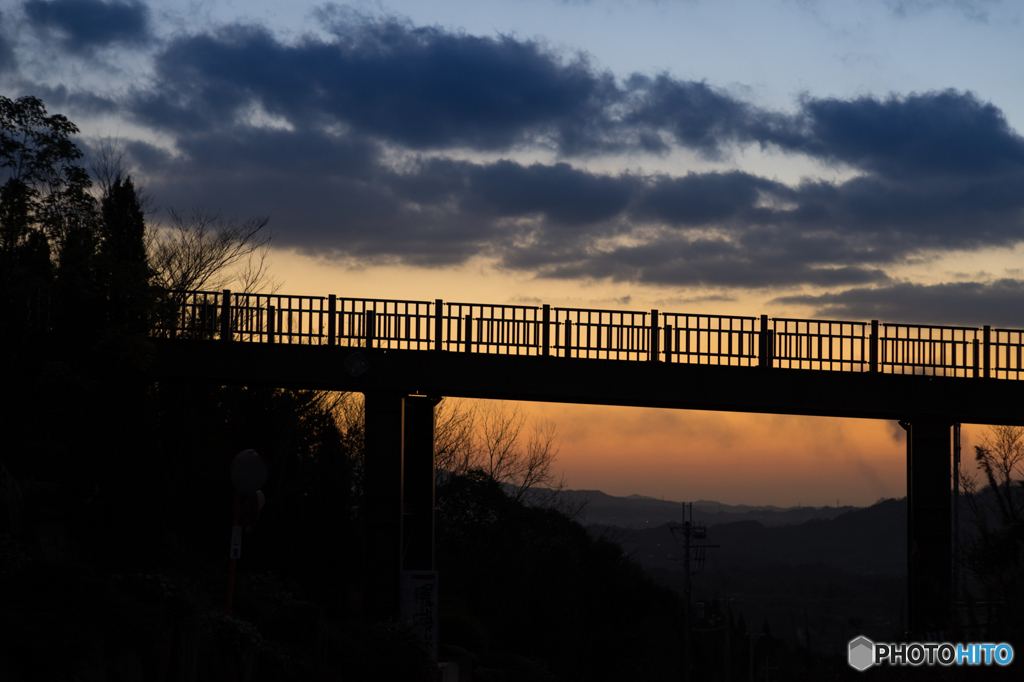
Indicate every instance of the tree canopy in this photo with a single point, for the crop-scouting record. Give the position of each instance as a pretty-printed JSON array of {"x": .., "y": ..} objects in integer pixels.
[{"x": 44, "y": 187}]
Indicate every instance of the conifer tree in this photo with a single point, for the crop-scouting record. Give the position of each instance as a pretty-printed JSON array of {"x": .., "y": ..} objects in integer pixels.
[{"x": 123, "y": 267}]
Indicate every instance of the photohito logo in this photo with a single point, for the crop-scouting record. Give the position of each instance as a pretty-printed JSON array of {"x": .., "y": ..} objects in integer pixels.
[{"x": 863, "y": 653}]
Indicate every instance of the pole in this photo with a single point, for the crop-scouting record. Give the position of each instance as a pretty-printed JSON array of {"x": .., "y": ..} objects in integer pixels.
[
  {"x": 236, "y": 545},
  {"x": 956, "y": 519},
  {"x": 686, "y": 587},
  {"x": 751, "y": 628},
  {"x": 729, "y": 609}
]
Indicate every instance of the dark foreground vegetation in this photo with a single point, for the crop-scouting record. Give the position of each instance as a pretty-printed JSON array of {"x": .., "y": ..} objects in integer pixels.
[{"x": 116, "y": 503}]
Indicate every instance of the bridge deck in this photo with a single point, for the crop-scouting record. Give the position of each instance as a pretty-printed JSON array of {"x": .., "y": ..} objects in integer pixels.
[{"x": 683, "y": 338}]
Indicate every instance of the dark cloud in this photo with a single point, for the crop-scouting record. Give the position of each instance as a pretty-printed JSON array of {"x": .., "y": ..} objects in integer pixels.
[
  {"x": 425, "y": 88},
  {"x": 710, "y": 262},
  {"x": 999, "y": 303},
  {"x": 334, "y": 193},
  {"x": 254, "y": 152},
  {"x": 563, "y": 194},
  {"x": 82, "y": 25},
  {"x": 938, "y": 171},
  {"x": 892, "y": 220},
  {"x": 696, "y": 115},
  {"x": 326, "y": 194},
  {"x": 72, "y": 102},
  {"x": 698, "y": 199},
  {"x": 558, "y": 194},
  {"x": 947, "y": 133},
  {"x": 8, "y": 63},
  {"x": 421, "y": 88}
]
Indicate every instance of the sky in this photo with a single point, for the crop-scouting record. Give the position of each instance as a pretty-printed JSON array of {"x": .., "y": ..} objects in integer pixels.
[{"x": 797, "y": 158}]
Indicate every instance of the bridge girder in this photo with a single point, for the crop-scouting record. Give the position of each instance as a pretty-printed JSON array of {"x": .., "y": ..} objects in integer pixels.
[{"x": 599, "y": 382}]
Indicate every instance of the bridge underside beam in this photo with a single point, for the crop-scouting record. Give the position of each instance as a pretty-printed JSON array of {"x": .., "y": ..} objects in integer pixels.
[
  {"x": 929, "y": 524},
  {"x": 600, "y": 382}
]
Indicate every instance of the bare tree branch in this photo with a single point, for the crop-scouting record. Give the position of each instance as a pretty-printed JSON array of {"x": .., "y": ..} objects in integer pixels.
[
  {"x": 454, "y": 436},
  {"x": 199, "y": 249},
  {"x": 109, "y": 164},
  {"x": 498, "y": 440}
]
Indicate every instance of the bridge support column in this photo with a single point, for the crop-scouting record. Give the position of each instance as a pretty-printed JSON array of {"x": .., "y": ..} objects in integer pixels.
[
  {"x": 399, "y": 495},
  {"x": 929, "y": 519},
  {"x": 418, "y": 483}
]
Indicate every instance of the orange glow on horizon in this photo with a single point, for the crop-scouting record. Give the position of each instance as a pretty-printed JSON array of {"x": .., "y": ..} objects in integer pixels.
[{"x": 733, "y": 458}]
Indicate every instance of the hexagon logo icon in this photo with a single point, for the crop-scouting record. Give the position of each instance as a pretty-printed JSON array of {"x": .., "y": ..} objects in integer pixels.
[{"x": 862, "y": 653}]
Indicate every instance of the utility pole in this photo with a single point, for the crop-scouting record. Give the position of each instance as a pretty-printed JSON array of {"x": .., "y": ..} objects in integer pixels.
[
  {"x": 687, "y": 530},
  {"x": 700, "y": 535}
]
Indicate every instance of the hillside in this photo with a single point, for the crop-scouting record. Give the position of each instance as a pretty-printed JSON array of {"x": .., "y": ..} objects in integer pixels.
[
  {"x": 639, "y": 511},
  {"x": 868, "y": 540}
]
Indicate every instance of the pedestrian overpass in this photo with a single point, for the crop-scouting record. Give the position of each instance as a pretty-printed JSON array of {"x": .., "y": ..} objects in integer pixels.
[{"x": 405, "y": 355}]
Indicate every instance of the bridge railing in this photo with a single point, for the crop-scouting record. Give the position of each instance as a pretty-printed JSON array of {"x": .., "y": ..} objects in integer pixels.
[
  {"x": 1007, "y": 349},
  {"x": 600, "y": 334},
  {"x": 380, "y": 323},
  {"x": 192, "y": 315},
  {"x": 931, "y": 350},
  {"x": 258, "y": 318},
  {"x": 274, "y": 318},
  {"x": 494, "y": 329},
  {"x": 834, "y": 345},
  {"x": 711, "y": 339},
  {"x": 786, "y": 343}
]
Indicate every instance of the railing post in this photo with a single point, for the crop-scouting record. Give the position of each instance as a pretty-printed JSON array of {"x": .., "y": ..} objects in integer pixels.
[
  {"x": 568, "y": 337},
  {"x": 438, "y": 322},
  {"x": 545, "y": 330},
  {"x": 371, "y": 327},
  {"x": 271, "y": 323},
  {"x": 765, "y": 344},
  {"x": 225, "y": 315},
  {"x": 977, "y": 357},
  {"x": 986, "y": 354},
  {"x": 469, "y": 334},
  {"x": 873, "y": 350},
  {"x": 668, "y": 343},
  {"x": 654, "y": 337},
  {"x": 332, "y": 324}
]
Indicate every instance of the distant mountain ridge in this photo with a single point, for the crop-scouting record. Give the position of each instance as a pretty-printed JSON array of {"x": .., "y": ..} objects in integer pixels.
[
  {"x": 642, "y": 511},
  {"x": 863, "y": 541}
]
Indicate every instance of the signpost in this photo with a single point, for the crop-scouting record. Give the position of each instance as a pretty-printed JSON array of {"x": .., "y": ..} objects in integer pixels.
[
  {"x": 248, "y": 474},
  {"x": 419, "y": 605}
]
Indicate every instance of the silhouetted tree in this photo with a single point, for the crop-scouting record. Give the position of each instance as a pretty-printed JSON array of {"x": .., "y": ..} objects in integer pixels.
[
  {"x": 993, "y": 553},
  {"x": 499, "y": 441},
  {"x": 45, "y": 209},
  {"x": 75, "y": 294},
  {"x": 122, "y": 262},
  {"x": 203, "y": 250},
  {"x": 46, "y": 189}
]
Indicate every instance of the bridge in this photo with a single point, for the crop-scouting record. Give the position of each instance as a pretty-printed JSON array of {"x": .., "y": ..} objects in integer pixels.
[{"x": 404, "y": 355}]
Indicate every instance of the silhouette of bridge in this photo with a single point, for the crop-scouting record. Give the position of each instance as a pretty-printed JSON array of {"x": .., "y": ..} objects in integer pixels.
[{"x": 404, "y": 355}]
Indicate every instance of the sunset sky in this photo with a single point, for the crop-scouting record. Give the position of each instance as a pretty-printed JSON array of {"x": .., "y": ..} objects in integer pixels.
[{"x": 849, "y": 160}]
